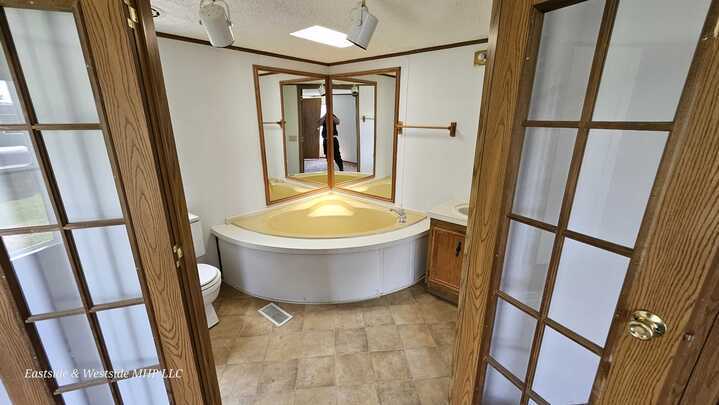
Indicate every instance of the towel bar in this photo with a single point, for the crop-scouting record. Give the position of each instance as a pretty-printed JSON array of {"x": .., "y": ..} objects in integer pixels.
[{"x": 452, "y": 128}]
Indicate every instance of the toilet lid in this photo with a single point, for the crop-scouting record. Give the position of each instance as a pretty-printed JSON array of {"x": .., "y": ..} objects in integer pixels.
[{"x": 207, "y": 273}]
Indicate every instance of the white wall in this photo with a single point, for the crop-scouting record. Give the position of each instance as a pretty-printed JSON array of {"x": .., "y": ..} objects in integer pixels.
[
  {"x": 292, "y": 129},
  {"x": 366, "y": 107},
  {"x": 214, "y": 119},
  {"x": 345, "y": 109},
  {"x": 436, "y": 88}
]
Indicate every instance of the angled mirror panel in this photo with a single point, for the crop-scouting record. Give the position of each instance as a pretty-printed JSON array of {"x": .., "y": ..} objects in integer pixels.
[
  {"x": 290, "y": 106},
  {"x": 367, "y": 106}
]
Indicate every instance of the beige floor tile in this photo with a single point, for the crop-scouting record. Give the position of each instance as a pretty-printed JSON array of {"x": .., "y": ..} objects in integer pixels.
[
  {"x": 418, "y": 290},
  {"x": 256, "y": 325},
  {"x": 254, "y": 305},
  {"x": 316, "y": 343},
  {"x": 316, "y": 396},
  {"x": 415, "y": 336},
  {"x": 228, "y": 292},
  {"x": 240, "y": 380},
  {"x": 278, "y": 376},
  {"x": 406, "y": 314},
  {"x": 320, "y": 320},
  {"x": 389, "y": 366},
  {"x": 438, "y": 311},
  {"x": 284, "y": 347},
  {"x": 375, "y": 316},
  {"x": 316, "y": 372},
  {"x": 319, "y": 307},
  {"x": 443, "y": 333},
  {"x": 350, "y": 318},
  {"x": 426, "y": 299},
  {"x": 275, "y": 398},
  {"x": 293, "y": 325},
  {"x": 357, "y": 395},
  {"x": 401, "y": 297},
  {"x": 229, "y": 327},
  {"x": 434, "y": 391},
  {"x": 219, "y": 370},
  {"x": 350, "y": 341},
  {"x": 426, "y": 363},
  {"x": 385, "y": 337},
  {"x": 233, "y": 306},
  {"x": 354, "y": 369},
  {"x": 397, "y": 393},
  {"x": 293, "y": 309},
  {"x": 221, "y": 350},
  {"x": 447, "y": 354},
  {"x": 248, "y": 349}
]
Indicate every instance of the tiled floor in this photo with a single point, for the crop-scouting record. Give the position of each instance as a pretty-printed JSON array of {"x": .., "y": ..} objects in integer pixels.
[{"x": 391, "y": 350}]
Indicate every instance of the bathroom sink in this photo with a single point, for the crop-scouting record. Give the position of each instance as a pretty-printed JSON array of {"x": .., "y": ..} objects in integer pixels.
[{"x": 462, "y": 209}]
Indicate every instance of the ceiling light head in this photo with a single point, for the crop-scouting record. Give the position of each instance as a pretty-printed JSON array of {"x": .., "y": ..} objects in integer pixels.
[
  {"x": 323, "y": 35},
  {"x": 362, "y": 29},
  {"x": 215, "y": 17}
]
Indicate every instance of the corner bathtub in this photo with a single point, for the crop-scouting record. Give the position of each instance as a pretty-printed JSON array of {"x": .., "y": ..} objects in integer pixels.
[{"x": 324, "y": 249}]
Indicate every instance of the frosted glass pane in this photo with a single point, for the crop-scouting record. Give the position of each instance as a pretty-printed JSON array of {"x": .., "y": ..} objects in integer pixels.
[
  {"x": 569, "y": 36},
  {"x": 499, "y": 390},
  {"x": 145, "y": 390},
  {"x": 23, "y": 197},
  {"x": 129, "y": 337},
  {"x": 650, "y": 51},
  {"x": 51, "y": 58},
  {"x": 512, "y": 338},
  {"x": 97, "y": 395},
  {"x": 69, "y": 345},
  {"x": 531, "y": 402},
  {"x": 616, "y": 178},
  {"x": 10, "y": 109},
  {"x": 565, "y": 370},
  {"x": 546, "y": 155},
  {"x": 84, "y": 175},
  {"x": 44, "y": 273},
  {"x": 587, "y": 289},
  {"x": 107, "y": 263},
  {"x": 525, "y": 263}
]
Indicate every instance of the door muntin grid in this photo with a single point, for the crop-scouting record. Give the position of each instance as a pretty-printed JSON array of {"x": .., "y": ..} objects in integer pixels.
[
  {"x": 52, "y": 244},
  {"x": 600, "y": 149}
]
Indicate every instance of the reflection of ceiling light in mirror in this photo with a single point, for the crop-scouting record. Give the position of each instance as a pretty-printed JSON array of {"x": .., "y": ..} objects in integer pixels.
[{"x": 318, "y": 33}]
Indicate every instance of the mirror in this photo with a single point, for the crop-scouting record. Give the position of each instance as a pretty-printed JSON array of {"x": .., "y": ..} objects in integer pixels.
[
  {"x": 289, "y": 107},
  {"x": 292, "y": 115},
  {"x": 366, "y": 107}
]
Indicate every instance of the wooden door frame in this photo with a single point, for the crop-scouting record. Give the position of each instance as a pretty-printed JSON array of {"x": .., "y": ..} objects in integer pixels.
[
  {"x": 136, "y": 127},
  {"x": 684, "y": 171}
]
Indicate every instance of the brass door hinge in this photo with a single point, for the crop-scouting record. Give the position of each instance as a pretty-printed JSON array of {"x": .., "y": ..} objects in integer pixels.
[
  {"x": 177, "y": 250},
  {"x": 132, "y": 20}
]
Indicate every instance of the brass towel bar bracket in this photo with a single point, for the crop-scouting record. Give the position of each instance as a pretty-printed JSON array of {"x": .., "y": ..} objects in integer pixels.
[
  {"x": 366, "y": 117},
  {"x": 452, "y": 128},
  {"x": 272, "y": 123}
]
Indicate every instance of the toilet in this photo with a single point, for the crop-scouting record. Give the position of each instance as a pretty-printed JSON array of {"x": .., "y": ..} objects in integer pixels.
[{"x": 210, "y": 277}]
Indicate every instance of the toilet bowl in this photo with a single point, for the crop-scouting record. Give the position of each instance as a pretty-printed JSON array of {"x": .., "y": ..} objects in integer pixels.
[
  {"x": 210, "y": 282},
  {"x": 210, "y": 277}
]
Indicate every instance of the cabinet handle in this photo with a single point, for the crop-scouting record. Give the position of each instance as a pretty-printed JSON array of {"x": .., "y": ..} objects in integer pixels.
[{"x": 458, "y": 250}]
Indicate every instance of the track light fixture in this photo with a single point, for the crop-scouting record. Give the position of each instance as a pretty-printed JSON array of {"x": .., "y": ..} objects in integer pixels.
[
  {"x": 215, "y": 17},
  {"x": 363, "y": 28}
]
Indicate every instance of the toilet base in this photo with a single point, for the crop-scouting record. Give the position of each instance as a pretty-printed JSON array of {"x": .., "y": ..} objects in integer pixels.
[{"x": 211, "y": 316}]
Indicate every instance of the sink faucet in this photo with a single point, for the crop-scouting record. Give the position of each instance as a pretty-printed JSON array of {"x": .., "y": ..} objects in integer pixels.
[{"x": 402, "y": 214}]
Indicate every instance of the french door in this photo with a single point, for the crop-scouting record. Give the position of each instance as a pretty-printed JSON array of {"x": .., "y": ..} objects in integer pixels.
[
  {"x": 94, "y": 309},
  {"x": 599, "y": 195}
]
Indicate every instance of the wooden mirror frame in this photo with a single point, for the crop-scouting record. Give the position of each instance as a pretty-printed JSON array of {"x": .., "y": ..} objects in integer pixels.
[
  {"x": 302, "y": 77},
  {"x": 308, "y": 76}
]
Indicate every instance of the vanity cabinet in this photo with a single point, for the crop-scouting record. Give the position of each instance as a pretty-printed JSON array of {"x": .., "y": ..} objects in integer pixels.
[{"x": 444, "y": 259}]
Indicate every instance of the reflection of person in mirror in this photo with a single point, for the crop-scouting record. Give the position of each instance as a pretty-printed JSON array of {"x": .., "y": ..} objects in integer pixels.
[{"x": 336, "y": 149}]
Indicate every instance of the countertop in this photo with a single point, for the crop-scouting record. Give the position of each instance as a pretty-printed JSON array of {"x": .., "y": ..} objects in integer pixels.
[{"x": 447, "y": 212}]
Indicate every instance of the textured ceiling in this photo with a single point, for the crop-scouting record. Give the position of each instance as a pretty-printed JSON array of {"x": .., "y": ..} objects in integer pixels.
[{"x": 403, "y": 24}]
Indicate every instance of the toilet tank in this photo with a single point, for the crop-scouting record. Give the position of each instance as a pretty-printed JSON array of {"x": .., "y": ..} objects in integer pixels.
[{"x": 198, "y": 239}]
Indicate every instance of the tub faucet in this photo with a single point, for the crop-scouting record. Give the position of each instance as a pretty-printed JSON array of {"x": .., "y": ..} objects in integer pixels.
[{"x": 402, "y": 214}]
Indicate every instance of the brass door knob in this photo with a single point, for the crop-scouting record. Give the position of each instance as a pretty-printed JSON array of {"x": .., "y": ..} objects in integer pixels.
[{"x": 645, "y": 325}]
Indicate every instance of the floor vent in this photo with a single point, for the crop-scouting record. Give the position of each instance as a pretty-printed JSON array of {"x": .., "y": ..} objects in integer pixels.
[{"x": 275, "y": 314}]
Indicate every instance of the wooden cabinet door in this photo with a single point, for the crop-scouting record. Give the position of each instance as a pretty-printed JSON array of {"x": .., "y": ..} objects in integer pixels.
[{"x": 446, "y": 260}]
